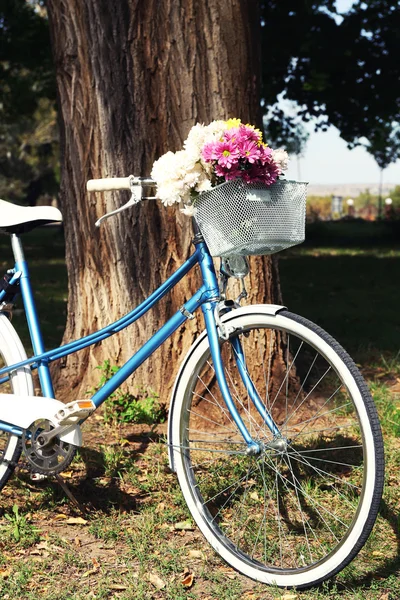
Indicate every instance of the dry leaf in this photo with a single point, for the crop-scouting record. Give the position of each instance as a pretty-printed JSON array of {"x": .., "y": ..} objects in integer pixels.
[
  {"x": 156, "y": 581},
  {"x": 42, "y": 546},
  {"x": 117, "y": 588},
  {"x": 188, "y": 579},
  {"x": 4, "y": 573},
  {"x": 91, "y": 572},
  {"x": 76, "y": 521},
  {"x": 60, "y": 516},
  {"x": 184, "y": 526},
  {"x": 377, "y": 553},
  {"x": 289, "y": 597},
  {"x": 254, "y": 496},
  {"x": 77, "y": 542},
  {"x": 196, "y": 554},
  {"x": 96, "y": 563}
]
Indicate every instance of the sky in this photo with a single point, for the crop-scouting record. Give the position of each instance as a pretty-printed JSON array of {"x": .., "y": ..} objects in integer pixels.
[{"x": 327, "y": 159}]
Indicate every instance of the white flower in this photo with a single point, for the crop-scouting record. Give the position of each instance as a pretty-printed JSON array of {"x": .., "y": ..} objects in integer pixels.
[
  {"x": 188, "y": 210},
  {"x": 204, "y": 185},
  {"x": 281, "y": 158}
]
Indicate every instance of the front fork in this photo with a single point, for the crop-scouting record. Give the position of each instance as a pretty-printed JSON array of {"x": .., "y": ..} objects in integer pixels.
[{"x": 253, "y": 447}]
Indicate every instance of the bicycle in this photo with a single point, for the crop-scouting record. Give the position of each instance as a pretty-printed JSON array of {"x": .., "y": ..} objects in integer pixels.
[{"x": 279, "y": 458}]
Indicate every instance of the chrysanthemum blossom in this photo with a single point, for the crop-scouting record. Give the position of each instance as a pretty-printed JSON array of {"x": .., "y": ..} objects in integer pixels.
[
  {"x": 249, "y": 150},
  {"x": 281, "y": 158},
  {"x": 227, "y": 154},
  {"x": 247, "y": 132}
]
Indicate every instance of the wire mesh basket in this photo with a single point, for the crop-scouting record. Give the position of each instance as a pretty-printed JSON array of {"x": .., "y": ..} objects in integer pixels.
[{"x": 250, "y": 218}]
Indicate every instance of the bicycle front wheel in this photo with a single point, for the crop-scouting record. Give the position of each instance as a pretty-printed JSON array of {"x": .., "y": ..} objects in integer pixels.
[
  {"x": 300, "y": 510},
  {"x": 20, "y": 382}
]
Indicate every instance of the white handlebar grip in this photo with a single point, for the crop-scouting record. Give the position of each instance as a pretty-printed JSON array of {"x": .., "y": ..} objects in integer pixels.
[{"x": 111, "y": 183}]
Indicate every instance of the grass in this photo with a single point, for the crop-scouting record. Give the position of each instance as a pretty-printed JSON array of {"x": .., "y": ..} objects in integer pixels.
[{"x": 136, "y": 538}]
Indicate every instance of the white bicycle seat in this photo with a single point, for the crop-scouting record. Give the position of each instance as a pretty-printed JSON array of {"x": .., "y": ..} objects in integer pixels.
[{"x": 19, "y": 219}]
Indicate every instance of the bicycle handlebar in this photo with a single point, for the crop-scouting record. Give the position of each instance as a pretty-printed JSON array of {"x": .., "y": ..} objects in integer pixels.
[
  {"x": 134, "y": 184},
  {"x": 116, "y": 183}
]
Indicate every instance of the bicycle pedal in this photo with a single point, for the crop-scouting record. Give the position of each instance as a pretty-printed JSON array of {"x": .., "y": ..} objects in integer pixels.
[{"x": 74, "y": 412}]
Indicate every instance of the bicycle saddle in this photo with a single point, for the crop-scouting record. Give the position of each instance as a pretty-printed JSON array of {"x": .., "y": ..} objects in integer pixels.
[{"x": 20, "y": 219}]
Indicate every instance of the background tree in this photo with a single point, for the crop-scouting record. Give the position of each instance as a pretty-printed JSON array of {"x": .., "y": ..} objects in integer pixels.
[
  {"x": 132, "y": 78},
  {"x": 341, "y": 71},
  {"x": 28, "y": 132}
]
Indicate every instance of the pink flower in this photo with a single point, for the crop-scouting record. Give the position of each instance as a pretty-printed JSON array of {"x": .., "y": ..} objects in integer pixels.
[
  {"x": 267, "y": 174},
  {"x": 208, "y": 152},
  {"x": 249, "y": 150},
  {"x": 233, "y": 174},
  {"x": 230, "y": 135},
  {"x": 227, "y": 154},
  {"x": 265, "y": 154},
  {"x": 248, "y": 133}
]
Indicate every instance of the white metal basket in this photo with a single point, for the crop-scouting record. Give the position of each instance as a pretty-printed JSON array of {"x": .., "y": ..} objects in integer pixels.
[{"x": 240, "y": 218}]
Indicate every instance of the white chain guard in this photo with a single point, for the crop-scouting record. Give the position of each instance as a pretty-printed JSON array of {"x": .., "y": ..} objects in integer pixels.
[{"x": 22, "y": 411}]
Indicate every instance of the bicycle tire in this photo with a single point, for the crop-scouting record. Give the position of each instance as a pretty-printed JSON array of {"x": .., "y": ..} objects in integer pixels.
[
  {"x": 20, "y": 382},
  {"x": 293, "y": 516}
]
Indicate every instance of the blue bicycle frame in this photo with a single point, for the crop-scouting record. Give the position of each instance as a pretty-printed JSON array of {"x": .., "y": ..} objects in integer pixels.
[{"x": 206, "y": 298}]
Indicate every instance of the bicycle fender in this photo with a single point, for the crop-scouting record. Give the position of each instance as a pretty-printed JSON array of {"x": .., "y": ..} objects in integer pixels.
[
  {"x": 22, "y": 411},
  {"x": 268, "y": 309}
]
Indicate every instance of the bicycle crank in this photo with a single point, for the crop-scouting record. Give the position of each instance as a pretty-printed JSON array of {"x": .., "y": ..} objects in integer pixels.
[{"x": 46, "y": 453}]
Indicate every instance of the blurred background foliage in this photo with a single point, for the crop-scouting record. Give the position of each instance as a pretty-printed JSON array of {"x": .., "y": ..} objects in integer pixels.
[{"x": 329, "y": 68}]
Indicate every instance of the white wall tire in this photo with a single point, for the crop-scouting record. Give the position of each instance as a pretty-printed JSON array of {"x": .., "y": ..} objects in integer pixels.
[
  {"x": 12, "y": 351},
  {"x": 357, "y": 486}
]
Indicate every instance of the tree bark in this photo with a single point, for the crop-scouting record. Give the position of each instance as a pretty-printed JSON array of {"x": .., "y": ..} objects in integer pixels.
[{"x": 133, "y": 77}]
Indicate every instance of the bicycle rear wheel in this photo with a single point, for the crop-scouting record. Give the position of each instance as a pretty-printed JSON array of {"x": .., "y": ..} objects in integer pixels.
[
  {"x": 20, "y": 382},
  {"x": 301, "y": 510}
]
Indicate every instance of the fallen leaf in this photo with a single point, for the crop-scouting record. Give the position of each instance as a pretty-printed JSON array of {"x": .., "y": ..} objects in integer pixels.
[
  {"x": 42, "y": 546},
  {"x": 116, "y": 587},
  {"x": 96, "y": 563},
  {"x": 76, "y": 521},
  {"x": 184, "y": 525},
  {"x": 77, "y": 542},
  {"x": 156, "y": 581},
  {"x": 377, "y": 553},
  {"x": 60, "y": 516},
  {"x": 289, "y": 597},
  {"x": 188, "y": 579},
  {"x": 254, "y": 496},
  {"x": 90, "y": 572},
  {"x": 196, "y": 554},
  {"x": 4, "y": 573}
]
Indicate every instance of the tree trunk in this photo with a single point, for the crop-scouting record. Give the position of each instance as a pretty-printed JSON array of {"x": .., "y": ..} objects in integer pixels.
[{"x": 133, "y": 77}]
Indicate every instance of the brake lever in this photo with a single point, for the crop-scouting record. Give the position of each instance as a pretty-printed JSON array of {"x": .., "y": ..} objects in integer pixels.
[{"x": 136, "y": 197}]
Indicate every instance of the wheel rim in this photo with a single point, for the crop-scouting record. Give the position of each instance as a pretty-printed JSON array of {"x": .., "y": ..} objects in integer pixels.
[{"x": 295, "y": 506}]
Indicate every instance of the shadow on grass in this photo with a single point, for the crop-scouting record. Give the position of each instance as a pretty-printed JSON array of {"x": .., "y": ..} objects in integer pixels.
[{"x": 99, "y": 489}]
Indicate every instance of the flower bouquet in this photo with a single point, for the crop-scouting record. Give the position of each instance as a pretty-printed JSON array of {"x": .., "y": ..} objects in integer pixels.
[{"x": 228, "y": 179}]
